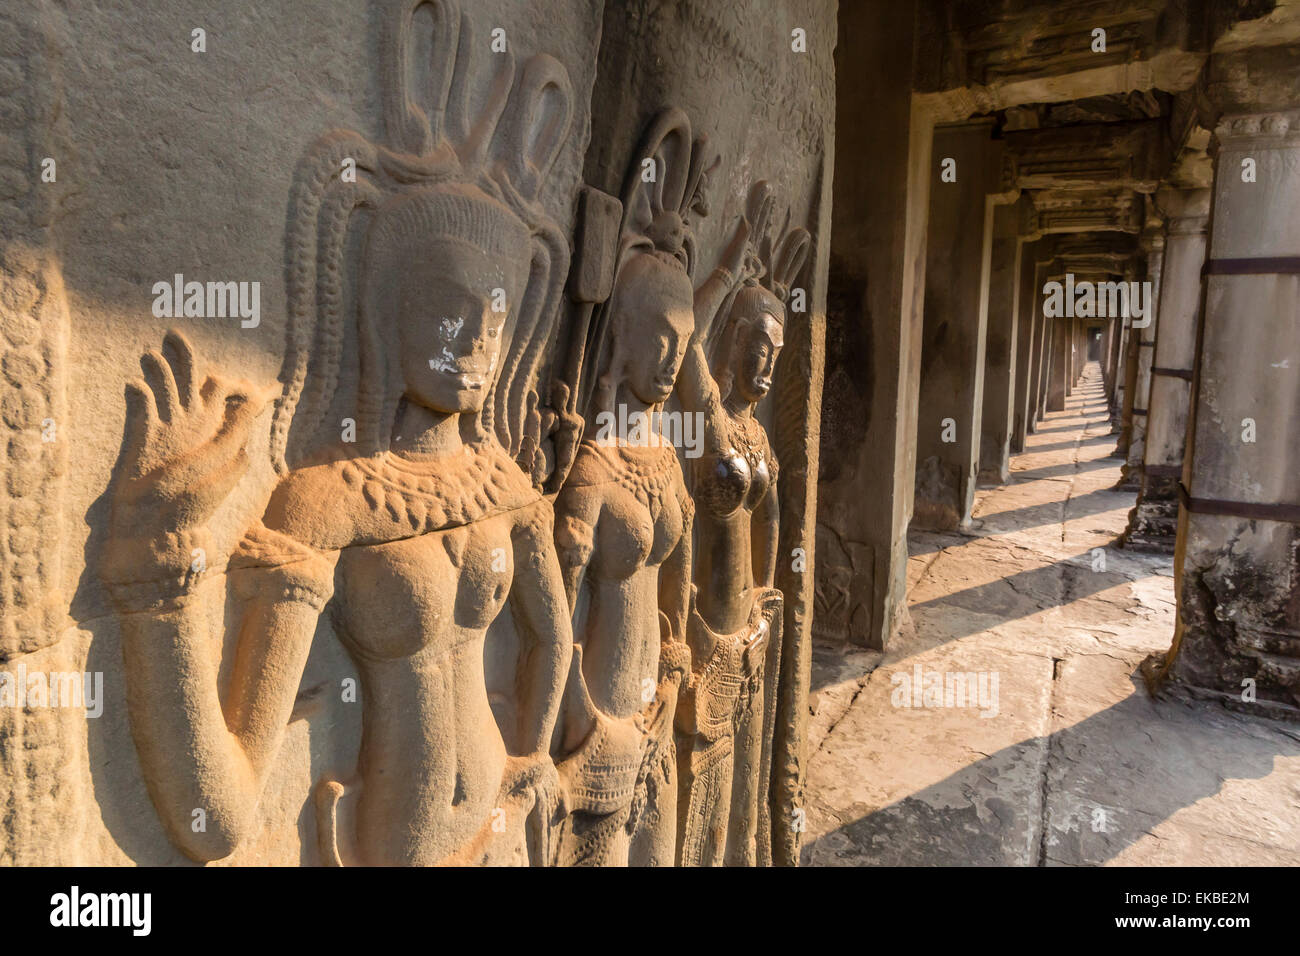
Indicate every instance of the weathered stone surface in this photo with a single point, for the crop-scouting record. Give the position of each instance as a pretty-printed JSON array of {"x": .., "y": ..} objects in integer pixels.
[
  {"x": 438, "y": 432},
  {"x": 1080, "y": 766},
  {"x": 331, "y": 547}
]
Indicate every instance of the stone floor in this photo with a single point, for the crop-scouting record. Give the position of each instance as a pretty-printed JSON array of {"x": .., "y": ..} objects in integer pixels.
[{"x": 1069, "y": 762}]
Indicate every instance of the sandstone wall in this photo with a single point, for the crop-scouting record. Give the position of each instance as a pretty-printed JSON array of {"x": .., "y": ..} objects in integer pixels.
[{"x": 173, "y": 161}]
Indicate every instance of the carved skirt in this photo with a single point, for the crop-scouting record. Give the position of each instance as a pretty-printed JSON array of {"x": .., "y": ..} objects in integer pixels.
[{"x": 726, "y": 720}]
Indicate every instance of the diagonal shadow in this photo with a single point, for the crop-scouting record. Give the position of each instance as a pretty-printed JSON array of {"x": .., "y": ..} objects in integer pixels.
[
  {"x": 1063, "y": 470},
  {"x": 1008, "y": 598},
  {"x": 1053, "y": 512},
  {"x": 1110, "y": 779}
]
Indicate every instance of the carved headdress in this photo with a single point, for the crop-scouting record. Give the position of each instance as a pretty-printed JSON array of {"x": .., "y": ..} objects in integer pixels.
[
  {"x": 464, "y": 161},
  {"x": 773, "y": 263},
  {"x": 666, "y": 182}
]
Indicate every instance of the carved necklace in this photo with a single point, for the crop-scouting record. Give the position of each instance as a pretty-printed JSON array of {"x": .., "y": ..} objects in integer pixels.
[
  {"x": 441, "y": 493},
  {"x": 747, "y": 435}
]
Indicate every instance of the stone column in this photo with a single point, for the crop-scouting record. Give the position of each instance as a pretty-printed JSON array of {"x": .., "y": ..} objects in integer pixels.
[
  {"x": 1106, "y": 336},
  {"x": 1153, "y": 523},
  {"x": 1237, "y": 566},
  {"x": 881, "y": 200},
  {"x": 1002, "y": 347},
  {"x": 1128, "y": 376},
  {"x": 1043, "y": 375},
  {"x": 1058, "y": 372},
  {"x": 1118, "y": 354},
  {"x": 958, "y": 254},
  {"x": 1076, "y": 360},
  {"x": 1030, "y": 329},
  {"x": 1153, "y": 242}
]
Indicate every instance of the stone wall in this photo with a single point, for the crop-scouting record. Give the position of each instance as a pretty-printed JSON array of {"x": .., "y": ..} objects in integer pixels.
[{"x": 328, "y": 159}]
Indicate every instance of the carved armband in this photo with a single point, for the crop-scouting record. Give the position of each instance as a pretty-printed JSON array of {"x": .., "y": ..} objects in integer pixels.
[{"x": 269, "y": 565}]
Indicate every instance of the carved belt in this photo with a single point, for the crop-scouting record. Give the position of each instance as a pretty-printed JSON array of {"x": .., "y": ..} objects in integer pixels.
[{"x": 601, "y": 774}]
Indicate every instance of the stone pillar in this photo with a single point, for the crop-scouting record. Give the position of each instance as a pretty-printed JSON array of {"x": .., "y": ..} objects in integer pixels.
[
  {"x": 1153, "y": 242},
  {"x": 1118, "y": 349},
  {"x": 958, "y": 254},
  {"x": 1076, "y": 361},
  {"x": 1058, "y": 372},
  {"x": 1042, "y": 377},
  {"x": 1128, "y": 376},
  {"x": 1237, "y": 567},
  {"x": 1027, "y": 334},
  {"x": 1002, "y": 348},
  {"x": 1153, "y": 522},
  {"x": 873, "y": 329},
  {"x": 1106, "y": 336}
]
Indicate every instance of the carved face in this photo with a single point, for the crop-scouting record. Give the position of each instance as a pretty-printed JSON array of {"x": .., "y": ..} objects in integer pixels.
[
  {"x": 449, "y": 333},
  {"x": 758, "y": 343},
  {"x": 655, "y": 310}
]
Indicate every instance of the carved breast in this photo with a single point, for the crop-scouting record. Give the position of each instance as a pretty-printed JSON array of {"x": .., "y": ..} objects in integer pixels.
[
  {"x": 640, "y": 491},
  {"x": 446, "y": 586},
  {"x": 635, "y": 531},
  {"x": 732, "y": 480}
]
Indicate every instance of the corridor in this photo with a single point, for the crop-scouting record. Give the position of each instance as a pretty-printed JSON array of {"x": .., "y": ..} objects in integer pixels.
[{"x": 1030, "y": 739}]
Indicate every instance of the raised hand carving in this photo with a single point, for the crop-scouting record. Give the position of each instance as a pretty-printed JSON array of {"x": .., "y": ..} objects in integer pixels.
[
  {"x": 726, "y": 717},
  {"x": 420, "y": 535},
  {"x": 184, "y": 448}
]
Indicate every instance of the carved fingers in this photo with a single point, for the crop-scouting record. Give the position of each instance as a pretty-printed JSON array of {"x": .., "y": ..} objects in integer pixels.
[
  {"x": 185, "y": 443},
  {"x": 733, "y": 257}
]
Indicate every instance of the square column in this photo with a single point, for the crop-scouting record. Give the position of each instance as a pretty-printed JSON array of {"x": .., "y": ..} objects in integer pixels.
[
  {"x": 1153, "y": 242},
  {"x": 1058, "y": 371},
  {"x": 958, "y": 260},
  {"x": 1042, "y": 346},
  {"x": 1002, "y": 347},
  {"x": 1153, "y": 523},
  {"x": 1128, "y": 377},
  {"x": 1027, "y": 335},
  {"x": 877, "y": 285},
  {"x": 1237, "y": 564}
]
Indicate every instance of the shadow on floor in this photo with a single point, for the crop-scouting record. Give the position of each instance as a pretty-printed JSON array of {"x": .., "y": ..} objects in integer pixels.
[
  {"x": 1111, "y": 779},
  {"x": 1064, "y": 470},
  {"x": 1053, "y": 512}
]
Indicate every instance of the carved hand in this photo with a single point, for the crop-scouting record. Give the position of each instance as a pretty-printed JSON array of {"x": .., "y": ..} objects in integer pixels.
[
  {"x": 184, "y": 448},
  {"x": 565, "y": 431},
  {"x": 735, "y": 256}
]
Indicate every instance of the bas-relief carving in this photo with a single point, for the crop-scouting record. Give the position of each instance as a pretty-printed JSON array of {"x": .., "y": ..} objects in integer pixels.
[
  {"x": 728, "y": 713},
  {"x": 467, "y": 532},
  {"x": 416, "y": 537},
  {"x": 623, "y": 527}
]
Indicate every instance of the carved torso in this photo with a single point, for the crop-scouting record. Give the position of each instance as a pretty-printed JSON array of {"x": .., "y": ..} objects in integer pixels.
[
  {"x": 729, "y": 485},
  {"x": 426, "y": 564},
  {"x": 626, "y": 508}
]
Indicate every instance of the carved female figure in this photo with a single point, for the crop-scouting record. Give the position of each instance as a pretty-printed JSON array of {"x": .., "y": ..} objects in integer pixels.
[
  {"x": 726, "y": 717},
  {"x": 416, "y": 539},
  {"x": 624, "y": 534}
]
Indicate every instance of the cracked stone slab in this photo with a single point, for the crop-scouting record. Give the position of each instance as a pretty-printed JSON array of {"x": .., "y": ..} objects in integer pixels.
[{"x": 906, "y": 785}]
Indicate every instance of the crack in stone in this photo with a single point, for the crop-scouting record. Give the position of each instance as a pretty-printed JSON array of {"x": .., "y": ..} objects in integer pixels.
[{"x": 1044, "y": 786}]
